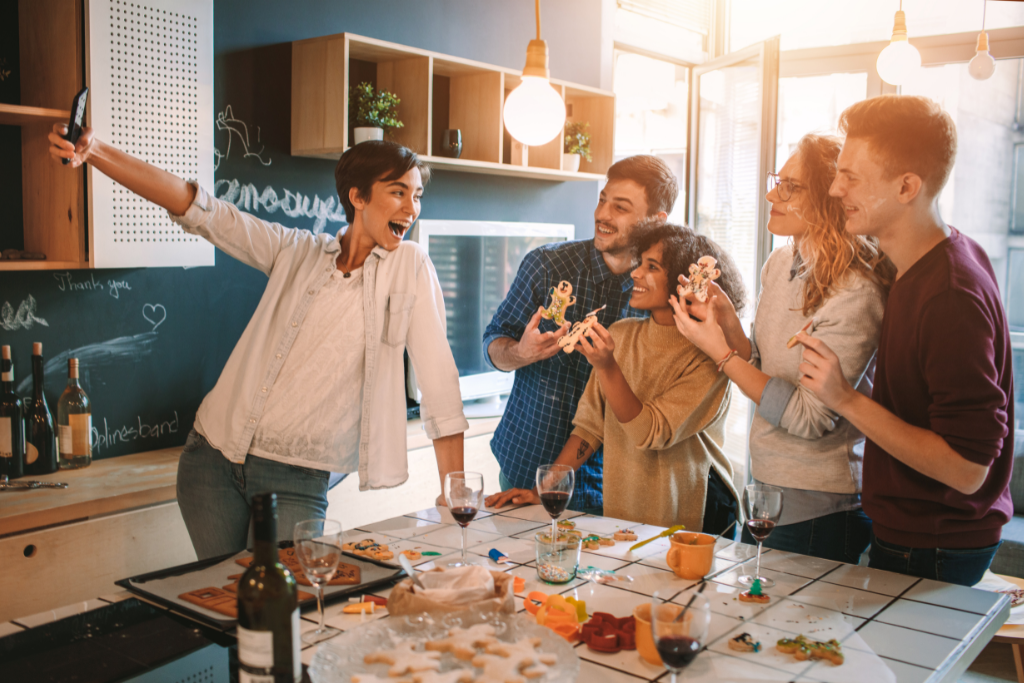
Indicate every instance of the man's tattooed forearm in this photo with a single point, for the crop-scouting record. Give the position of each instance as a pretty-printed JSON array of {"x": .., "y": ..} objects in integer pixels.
[{"x": 582, "y": 451}]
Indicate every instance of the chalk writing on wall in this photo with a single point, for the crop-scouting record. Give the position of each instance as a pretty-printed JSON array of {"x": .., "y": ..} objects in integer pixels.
[
  {"x": 66, "y": 283},
  {"x": 105, "y": 436},
  {"x": 24, "y": 318},
  {"x": 236, "y": 128},
  {"x": 294, "y": 204}
]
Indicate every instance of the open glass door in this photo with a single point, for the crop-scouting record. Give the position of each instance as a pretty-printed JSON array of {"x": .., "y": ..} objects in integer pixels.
[{"x": 733, "y": 104}]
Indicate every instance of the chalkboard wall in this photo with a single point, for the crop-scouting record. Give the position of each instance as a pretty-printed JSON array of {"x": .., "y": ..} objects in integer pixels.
[{"x": 152, "y": 342}]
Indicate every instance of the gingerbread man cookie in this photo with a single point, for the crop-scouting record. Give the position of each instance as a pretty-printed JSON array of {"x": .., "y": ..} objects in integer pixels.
[
  {"x": 561, "y": 300},
  {"x": 624, "y": 535},
  {"x": 524, "y": 653},
  {"x": 454, "y": 676},
  {"x": 404, "y": 659},
  {"x": 463, "y": 642},
  {"x": 370, "y": 678},
  {"x": 701, "y": 274},
  {"x": 755, "y": 594},
  {"x": 569, "y": 341},
  {"x": 498, "y": 669}
]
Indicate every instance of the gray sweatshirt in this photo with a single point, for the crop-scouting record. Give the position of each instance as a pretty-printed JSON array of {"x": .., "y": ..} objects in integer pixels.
[{"x": 795, "y": 441}]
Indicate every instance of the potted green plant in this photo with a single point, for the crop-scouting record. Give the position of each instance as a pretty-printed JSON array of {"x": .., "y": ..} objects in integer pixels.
[
  {"x": 577, "y": 144},
  {"x": 372, "y": 113}
]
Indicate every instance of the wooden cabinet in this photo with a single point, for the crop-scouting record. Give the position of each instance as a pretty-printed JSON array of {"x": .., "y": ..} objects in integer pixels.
[
  {"x": 437, "y": 92},
  {"x": 53, "y": 197}
]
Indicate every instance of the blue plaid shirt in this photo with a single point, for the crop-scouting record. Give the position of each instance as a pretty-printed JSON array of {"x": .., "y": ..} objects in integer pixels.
[{"x": 538, "y": 418}]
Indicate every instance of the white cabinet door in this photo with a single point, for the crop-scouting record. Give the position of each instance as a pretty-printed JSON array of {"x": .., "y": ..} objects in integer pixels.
[{"x": 149, "y": 68}]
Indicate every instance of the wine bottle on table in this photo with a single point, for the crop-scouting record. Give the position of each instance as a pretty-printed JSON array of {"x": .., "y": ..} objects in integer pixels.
[
  {"x": 74, "y": 423},
  {"x": 40, "y": 438},
  {"x": 268, "y": 607},
  {"x": 12, "y": 426}
]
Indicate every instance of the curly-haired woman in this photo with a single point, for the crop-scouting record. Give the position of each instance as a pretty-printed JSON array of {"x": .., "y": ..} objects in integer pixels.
[
  {"x": 655, "y": 401},
  {"x": 834, "y": 285}
]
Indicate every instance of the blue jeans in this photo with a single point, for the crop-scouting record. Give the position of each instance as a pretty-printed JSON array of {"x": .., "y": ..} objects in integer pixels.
[
  {"x": 963, "y": 566},
  {"x": 840, "y": 536},
  {"x": 505, "y": 485},
  {"x": 214, "y": 495}
]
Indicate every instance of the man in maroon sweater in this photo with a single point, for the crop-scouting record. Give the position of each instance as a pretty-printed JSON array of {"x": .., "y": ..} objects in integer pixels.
[{"x": 939, "y": 423}]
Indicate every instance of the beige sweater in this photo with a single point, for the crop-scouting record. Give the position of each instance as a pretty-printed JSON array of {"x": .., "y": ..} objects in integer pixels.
[{"x": 656, "y": 465}]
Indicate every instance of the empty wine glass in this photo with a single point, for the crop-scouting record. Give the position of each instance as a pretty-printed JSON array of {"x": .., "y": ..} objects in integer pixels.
[
  {"x": 555, "y": 485},
  {"x": 679, "y": 640},
  {"x": 763, "y": 504},
  {"x": 318, "y": 549},
  {"x": 464, "y": 493}
]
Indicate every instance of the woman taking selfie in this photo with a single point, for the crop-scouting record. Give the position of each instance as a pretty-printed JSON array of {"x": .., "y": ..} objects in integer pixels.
[
  {"x": 832, "y": 285},
  {"x": 316, "y": 383}
]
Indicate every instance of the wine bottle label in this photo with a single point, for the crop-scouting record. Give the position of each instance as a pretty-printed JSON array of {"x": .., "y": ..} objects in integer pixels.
[
  {"x": 81, "y": 434},
  {"x": 7, "y": 376},
  {"x": 31, "y": 453},
  {"x": 246, "y": 677},
  {"x": 6, "y": 438},
  {"x": 256, "y": 648},
  {"x": 75, "y": 437},
  {"x": 296, "y": 646}
]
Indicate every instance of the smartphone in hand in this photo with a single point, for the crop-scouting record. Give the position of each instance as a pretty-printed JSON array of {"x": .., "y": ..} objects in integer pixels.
[{"x": 77, "y": 118}]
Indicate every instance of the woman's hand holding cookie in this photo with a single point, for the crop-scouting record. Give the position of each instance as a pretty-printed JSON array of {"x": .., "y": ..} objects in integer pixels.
[
  {"x": 598, "y": 347},
  {"x": 707, "y": 335}
]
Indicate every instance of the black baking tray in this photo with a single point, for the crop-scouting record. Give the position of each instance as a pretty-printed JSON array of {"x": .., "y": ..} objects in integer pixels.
[{"x": 136, "y": 584}]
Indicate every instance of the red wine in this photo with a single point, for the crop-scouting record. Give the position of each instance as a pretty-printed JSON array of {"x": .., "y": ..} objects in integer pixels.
[
  {"x": 463, "y": 515},
  {"x": 677, "y": 651},
  {"x": 760, "y": 528},
  {"x": 554, "y": 502}
]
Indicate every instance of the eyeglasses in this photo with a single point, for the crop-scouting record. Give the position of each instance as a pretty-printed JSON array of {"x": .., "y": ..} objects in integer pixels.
[{"x": 786, "y": 187}]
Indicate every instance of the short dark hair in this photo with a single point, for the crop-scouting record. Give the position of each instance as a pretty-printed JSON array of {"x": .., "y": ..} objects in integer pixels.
[
  {"x": 909, "y": 133},
  {"x": 681, "y": 246},
  {"x": 654, "y": 175},
  {"x": 372, "y": 161}
]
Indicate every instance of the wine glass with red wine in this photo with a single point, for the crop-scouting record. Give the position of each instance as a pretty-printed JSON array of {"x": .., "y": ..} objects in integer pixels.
[
  {"x": 763, "y": 504},
  {"x": 555, "y": 484},
  {"x": 464, "y": 492},
  {"x": 679, "y": 631}
]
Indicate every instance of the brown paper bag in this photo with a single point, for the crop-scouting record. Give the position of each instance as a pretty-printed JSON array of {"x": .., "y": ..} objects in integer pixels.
[{"x": 404, "y": 601}]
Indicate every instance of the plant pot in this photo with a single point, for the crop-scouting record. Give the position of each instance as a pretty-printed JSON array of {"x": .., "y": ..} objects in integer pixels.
[
  {"x": 363, "y": 134},
  {"x": 571, "y": 162}
]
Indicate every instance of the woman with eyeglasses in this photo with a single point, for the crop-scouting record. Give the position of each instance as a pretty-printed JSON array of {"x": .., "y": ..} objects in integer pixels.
[{"x": 833, "y": 285}]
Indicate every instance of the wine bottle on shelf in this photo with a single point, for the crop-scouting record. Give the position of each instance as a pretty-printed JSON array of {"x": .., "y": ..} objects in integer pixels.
[
  {"x": 74, "y": 423},
  {"x": 12, "y": 426},
  {"x": 40, "y": 438},
  {"x": 268, "y": 608}
]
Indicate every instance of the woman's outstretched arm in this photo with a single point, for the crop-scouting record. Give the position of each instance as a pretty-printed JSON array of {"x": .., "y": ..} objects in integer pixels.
[{"x": 149, "y": 182}]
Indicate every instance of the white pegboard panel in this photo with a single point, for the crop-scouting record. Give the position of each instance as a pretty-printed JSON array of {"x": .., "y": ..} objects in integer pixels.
[{"x": 149, "y": 70}]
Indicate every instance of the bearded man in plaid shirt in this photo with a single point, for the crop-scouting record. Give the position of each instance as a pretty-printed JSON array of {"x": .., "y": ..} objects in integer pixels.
[{"x": 548, "y": 384}]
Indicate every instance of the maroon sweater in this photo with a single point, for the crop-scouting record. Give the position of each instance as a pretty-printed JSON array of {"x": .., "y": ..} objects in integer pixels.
[{"x": 944, "y": 364}]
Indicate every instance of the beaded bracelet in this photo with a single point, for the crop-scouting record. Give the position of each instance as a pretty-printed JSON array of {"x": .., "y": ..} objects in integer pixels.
[{"x": 721, "y": 363}]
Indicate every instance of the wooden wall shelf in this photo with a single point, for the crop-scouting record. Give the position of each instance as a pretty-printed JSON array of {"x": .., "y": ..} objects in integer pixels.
[
  {"x": 18, "y": 115},
  {"x": 42, "y": 265},
  {"x": 437, "y": 92}
]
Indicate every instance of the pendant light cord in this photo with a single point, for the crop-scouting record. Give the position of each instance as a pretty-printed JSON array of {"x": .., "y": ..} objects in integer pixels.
[
  {"x": 537, "y": 12},
  {"x": 984, "y": 7}
]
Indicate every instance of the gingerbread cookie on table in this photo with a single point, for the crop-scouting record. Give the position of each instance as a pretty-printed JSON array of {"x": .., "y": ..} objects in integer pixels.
[
  {"x": 453, "y": 676},
  {"x": 369, "y": 548},
  {"x": 497, "y": 669},
  {"x": 345, "y": 575},
  {"x": 404, "y": 659},
  {"x": 804, "y": 648},
  {"x": 561, "y": 300},
  {"x": 463, "y": 642},
  {"x": 744, "y": 643},
  {"x": 524, "y": 654},
  {"x": 755, "y": 594},
  {"x": 624, "y": 535}
]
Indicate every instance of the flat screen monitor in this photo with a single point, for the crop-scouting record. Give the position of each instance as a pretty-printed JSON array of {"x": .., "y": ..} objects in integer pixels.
[{"x": 476, "y": 262}]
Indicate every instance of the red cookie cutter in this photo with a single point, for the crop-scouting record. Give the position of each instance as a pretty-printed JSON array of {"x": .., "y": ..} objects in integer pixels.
[{"x": 607, "y": 633}]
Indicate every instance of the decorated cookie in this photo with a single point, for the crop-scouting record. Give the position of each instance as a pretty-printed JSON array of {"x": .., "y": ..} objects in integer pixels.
[
  {"x": 561, "y": 300},
  {"x": 497, "y": 669},
  {"x": 604, "y": 540},
  {"x": 701, "y": 274},
  {"x": 570, "y": 340},
  {"x": 755, "y": 594},
  {"x": 345, "y": 575},
  {"x": 624, "y": 535},
  {"x": 403, "y": 659},
  {"x": 803, "y": 648},
  {"x": 412, "y": 554},
  {"x": 463, "y": 642},
  {"x": 592, "y": 542},
  {"x": 369, "y": 548},
  {"x": 566, "y": 524},
  {"x": 213, "y": 599},
  {"x": 744, "y": 643}
]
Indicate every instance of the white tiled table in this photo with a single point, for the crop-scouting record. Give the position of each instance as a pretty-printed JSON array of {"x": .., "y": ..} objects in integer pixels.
[{"x": 921, "y": 630}]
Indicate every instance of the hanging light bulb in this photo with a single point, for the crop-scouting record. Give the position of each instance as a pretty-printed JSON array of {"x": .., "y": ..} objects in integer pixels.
[
  {"x": 900, "y": 60},
  {"x": 983, "y": 65},
  {"x": 534, "y": 112}
]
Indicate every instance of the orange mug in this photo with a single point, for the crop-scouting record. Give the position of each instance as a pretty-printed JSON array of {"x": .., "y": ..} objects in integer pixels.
[
  {"x": 691, "y": 554},
  {"x": 644, "y": 637}
]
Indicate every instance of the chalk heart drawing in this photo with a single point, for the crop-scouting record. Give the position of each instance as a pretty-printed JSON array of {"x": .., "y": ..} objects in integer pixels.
[{"x": 155, "y": 314}]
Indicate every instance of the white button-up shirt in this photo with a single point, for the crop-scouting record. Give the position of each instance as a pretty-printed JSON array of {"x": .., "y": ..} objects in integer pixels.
[{"x": 402, "y": 306}]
